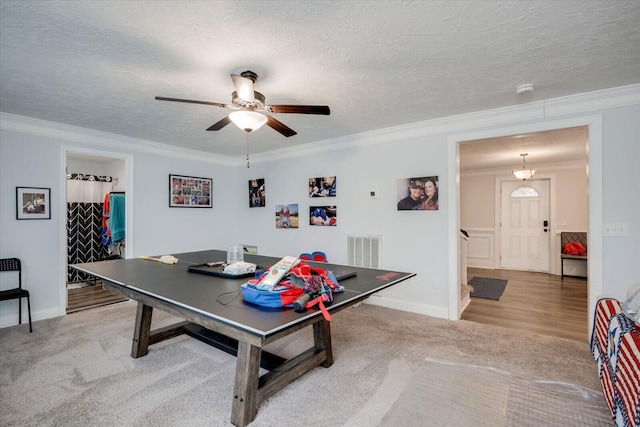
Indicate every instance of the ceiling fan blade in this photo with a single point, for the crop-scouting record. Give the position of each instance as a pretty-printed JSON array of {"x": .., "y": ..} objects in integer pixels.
[
  {"x": 299, "y": 109},
  {"x": 280, "y": 127},
  {"x": 191, "y": 101},
  {"x": 219, "y": 125},
  {"x": 244, "y": 87}
]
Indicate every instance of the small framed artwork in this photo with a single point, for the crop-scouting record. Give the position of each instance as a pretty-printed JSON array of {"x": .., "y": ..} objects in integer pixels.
[
  {"x": 189, "y": 192},
  {"x": 287, "y": 216},
  {"x": 256, "y": 193},
  {"x": 322, "y": 187},
  {"x": 33, "y": 203},
  {"x": 323, "y": 215},
  {"x": 418, "y": 194}
]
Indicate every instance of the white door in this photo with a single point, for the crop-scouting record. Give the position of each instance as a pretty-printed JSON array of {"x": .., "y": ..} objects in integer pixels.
[{"x": 525, "y": 225}]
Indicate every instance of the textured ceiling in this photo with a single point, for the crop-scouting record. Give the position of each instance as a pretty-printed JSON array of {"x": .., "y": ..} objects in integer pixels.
[
  {"x": 377, "y": 64},
  {"x": 542, "y": 148}
]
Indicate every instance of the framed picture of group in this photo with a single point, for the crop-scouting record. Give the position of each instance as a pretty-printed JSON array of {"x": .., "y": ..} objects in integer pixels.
[{"x": 189, "y": 192}]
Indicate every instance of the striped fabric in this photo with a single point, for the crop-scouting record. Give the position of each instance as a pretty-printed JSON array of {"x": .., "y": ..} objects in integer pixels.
[{"x": 615, "y": 344}]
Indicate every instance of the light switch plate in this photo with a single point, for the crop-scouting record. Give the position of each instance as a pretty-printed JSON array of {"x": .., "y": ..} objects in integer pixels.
[{"x": 617, "y": 229}]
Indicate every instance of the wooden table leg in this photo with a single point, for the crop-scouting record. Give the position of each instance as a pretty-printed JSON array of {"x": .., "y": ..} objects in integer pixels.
[
  {"x": 322, "y": 340},
  {"x": 245, "y": 389},
  {"x": 140, "y": 345}
]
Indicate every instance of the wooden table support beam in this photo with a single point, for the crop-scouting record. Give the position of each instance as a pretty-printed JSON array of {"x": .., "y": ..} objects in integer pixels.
[
  {"x": 142, "y": 330},
  {"x": 245, "y": 389}
]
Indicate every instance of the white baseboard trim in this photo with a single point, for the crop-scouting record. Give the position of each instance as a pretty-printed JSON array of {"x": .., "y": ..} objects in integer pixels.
[
  {"x": 11, "y": 318},
  {"x": 428, "y": 310}
]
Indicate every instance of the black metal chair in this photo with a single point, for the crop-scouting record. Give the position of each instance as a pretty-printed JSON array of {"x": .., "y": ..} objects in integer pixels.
[{"x": 13, "y": 264}]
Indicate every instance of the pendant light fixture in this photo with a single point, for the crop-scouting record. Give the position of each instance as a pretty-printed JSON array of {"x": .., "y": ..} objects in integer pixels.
[{"x": 524, "y": 173}]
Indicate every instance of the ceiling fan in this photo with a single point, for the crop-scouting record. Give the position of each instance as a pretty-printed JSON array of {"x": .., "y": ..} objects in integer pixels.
[{"x": 250, "y": 106}]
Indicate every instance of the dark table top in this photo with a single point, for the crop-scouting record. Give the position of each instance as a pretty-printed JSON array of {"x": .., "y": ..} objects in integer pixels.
[{"x": 219, "y": 298}]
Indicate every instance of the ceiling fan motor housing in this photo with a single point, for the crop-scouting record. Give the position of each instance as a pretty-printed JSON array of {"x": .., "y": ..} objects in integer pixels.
[
  {"x": 249, "y": 75},
  {"x": 258, "y": 104}
]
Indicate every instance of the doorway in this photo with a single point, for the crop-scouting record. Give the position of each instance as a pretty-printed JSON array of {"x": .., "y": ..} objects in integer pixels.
[
  {"x": 591, "y": 165},
  {"x": 91, "y": 178}
]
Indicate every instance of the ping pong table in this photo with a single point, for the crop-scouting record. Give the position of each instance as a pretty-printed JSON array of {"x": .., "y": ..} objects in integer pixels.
[{"x": 214, "y": 316}]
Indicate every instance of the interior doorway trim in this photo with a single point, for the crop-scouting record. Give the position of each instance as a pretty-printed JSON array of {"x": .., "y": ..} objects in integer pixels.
[
  {"x": 129, "y": 202},
  {"x": 594, "y": 185}
]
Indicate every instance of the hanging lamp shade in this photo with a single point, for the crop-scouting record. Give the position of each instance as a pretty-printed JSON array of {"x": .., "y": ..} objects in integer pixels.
[
  {"x": 524, "y": 173},
  {"x": 248, "y": 120}
]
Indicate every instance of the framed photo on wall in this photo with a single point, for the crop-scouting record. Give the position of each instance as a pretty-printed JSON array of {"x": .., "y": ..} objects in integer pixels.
[
  {"x": 189, "y": 192},
  {"x": 257, "y": 193},
  {"x": 418, "y": 194},
  {"x": 33, "y": 203},
  {"x": 287, "y": 216},
  {"x": 322, "y": 187},
  {"x": 323, "y": 215}
]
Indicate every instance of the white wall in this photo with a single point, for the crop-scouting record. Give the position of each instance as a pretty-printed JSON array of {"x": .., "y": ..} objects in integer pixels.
[
  {"x": 29, "y": 159},
  {"x": 423, "y": 242},
  {"x": 620, "y": 201},
  {"x": 411, "y": 240}
]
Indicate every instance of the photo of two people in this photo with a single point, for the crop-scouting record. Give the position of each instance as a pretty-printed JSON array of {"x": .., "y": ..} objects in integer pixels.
[
  {"x": 287, "y": 216},
  {"x": 418, "y": 194},
  {"x": 322, "y": 187}
]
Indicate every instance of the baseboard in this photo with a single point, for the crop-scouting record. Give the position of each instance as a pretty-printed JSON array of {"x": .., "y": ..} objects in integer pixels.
[
  {"x": 428, "y": 310},
  {"x": 11, "y": 318}
]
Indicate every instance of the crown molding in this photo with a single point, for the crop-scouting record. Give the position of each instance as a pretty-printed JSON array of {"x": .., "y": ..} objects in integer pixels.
[
  {"x": 539, "y": 110},
  {"x": 597, "y": 100},
  {"x": 489, "y": 118},
  {"x": 498, "y": 117},
  {"x": 91, "y": 138}
]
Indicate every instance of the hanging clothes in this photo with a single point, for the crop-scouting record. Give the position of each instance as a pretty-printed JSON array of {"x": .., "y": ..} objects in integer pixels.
[
  {"x": 106, "y": 234},
  {"x": 117, "y": 218}
]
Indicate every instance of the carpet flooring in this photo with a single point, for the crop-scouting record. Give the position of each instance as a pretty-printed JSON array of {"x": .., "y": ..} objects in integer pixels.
[
  {"x": 445, "y": 393},
  {"x": 76, "y": 370},
  {"x": 487, "y": 288}
]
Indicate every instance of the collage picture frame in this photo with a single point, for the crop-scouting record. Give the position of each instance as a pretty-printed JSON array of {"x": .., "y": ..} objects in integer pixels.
[{"x": 190, "y": 192}]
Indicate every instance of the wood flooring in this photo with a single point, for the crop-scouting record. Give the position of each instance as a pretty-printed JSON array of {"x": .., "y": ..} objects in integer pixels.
[
  {"x": 90, "y": 297},
  {"x": 537, "y": 302}
]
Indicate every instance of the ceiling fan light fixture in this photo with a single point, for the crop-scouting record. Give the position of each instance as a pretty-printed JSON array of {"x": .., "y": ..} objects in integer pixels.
[
  {"x": 524, "y": 173},
  {"x": 248, "y": 121}
]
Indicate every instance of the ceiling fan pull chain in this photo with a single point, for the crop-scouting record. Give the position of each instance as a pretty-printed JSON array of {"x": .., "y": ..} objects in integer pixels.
[{"x": 247, "y": 150}]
